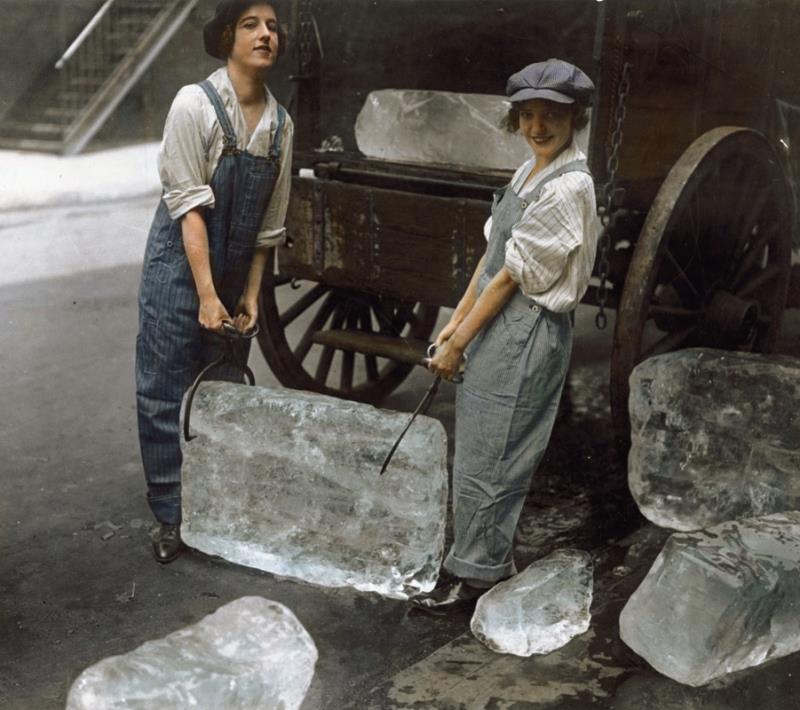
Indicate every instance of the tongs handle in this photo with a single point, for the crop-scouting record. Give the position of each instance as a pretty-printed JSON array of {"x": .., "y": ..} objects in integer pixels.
[
  {"x": 233, "y": 339},
  {"x": 231, "y": 332},
  {"x": 422, "y": 407},
  {"x": 459, "y": 378}
]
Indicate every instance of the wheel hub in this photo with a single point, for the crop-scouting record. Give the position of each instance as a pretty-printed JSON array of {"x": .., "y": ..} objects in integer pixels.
[{"x": 729, "y": 320}]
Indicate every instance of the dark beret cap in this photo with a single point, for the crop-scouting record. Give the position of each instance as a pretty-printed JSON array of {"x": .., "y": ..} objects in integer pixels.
[{"x": 554, "y": 80}]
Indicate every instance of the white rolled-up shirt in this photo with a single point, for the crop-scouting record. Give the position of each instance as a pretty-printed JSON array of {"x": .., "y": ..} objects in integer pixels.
[
  {"x": 551, "y": 250},
  {"x": 193, "y": 142}
]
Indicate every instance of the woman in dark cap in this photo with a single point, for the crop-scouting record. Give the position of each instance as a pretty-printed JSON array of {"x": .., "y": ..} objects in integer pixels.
[
  {"x": 513, "y": 326},
  {"x": 225, "y": 166}
]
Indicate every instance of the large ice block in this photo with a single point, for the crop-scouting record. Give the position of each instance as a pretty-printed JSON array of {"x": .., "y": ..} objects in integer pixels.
[
  {"x": 715, "y": 436},
  {"x": 540, "y": 609},
  {"x": 250, "y": 653},
  {"x": 288, "y": 482},
  {"x": 441, "y": 127},
  {"x": 719, "y": 600}
]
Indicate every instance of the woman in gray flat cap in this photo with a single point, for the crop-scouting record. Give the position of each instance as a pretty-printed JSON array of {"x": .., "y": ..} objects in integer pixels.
[
  {"x": 225, "y": 166},
  {"x": 514, "y": 327}
]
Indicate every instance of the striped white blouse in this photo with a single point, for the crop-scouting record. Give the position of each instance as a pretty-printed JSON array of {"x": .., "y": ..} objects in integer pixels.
[{"x": 551, "y": 250}]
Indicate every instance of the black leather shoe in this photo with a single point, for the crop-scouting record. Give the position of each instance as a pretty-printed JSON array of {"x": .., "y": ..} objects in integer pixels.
[
  {"x": 454, "y": 595},
  {"x": 167, "y": 543}
]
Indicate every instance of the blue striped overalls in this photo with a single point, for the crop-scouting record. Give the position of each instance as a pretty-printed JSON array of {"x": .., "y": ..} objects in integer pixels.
[
  {"x": 505, "y": 408},
  {"x": 171, "y": 348}
]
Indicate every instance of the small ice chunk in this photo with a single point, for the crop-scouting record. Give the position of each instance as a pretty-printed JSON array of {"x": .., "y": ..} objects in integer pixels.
[
  {"x": 719, "y": 600},
  {"x": 540, "y": 609},
  {"x": 250, "y": 653},
  {"x": 288, "y": 482},
  {"x": 715, "y": 436},
  {"x": 441, "y": 127}
]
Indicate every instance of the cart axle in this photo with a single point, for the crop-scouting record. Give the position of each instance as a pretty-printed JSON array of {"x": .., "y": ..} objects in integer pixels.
[{"x": 405, "y": 350}]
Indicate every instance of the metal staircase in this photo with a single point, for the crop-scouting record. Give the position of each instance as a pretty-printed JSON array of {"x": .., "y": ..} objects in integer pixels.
[{"x": 69, "y": 103}]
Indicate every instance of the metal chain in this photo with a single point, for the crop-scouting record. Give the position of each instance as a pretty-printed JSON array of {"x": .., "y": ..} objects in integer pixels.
[
  {"x": 608, "y": 215},
  {"x": 305, "y": 36}
]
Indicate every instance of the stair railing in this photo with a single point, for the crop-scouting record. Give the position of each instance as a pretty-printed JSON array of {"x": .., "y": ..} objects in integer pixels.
[
  {"x": 84, "y": 33},
  {"x": 102, "y": 64}
]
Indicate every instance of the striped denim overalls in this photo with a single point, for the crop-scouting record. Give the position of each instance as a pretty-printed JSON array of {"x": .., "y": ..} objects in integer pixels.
[
  {"x": 171, "y": 348},
  {"x": 515, "y": 372}
]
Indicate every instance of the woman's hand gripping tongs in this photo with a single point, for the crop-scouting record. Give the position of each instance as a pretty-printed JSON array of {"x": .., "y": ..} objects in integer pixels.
[
  {"x": 233, "y": 352},
  {"x": 425, "y": 402}
]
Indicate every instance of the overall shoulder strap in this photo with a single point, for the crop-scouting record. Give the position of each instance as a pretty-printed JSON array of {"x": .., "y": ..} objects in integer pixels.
[
  {"x": 275, "y": 148},
  {"x": 574, "y": 166},
  {"x": 222, "y": 114}
]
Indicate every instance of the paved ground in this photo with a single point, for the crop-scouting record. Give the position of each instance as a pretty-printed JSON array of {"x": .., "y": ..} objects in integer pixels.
[
  {"x": 76, "y": 577},
  {"x": 77, "y": 582}
]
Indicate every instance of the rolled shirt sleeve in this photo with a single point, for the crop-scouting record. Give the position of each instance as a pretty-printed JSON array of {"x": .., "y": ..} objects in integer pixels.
[
  {"x": 182, "y": 160},
  {"x": 550, "y": 231},
  {"x": 487, "y": 228},
  {"x": 273, "y": 229}
]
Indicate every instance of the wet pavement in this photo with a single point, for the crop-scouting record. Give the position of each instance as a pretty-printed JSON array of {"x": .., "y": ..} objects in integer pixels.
[{"x": 77, "y": 582}]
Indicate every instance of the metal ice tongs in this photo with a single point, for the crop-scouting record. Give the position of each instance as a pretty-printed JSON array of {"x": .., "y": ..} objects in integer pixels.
[
  {"x": 233, "y": 352},
  {"x": 424, "y": 403}
]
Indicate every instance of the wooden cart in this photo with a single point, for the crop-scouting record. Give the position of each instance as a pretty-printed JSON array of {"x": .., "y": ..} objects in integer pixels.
[{"x": 691, "y": 144}]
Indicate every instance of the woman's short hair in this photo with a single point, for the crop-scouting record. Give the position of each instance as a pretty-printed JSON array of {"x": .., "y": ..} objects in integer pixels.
[
  {"x": 228, "y": 34},
  {"x": 580, "y": 117}
]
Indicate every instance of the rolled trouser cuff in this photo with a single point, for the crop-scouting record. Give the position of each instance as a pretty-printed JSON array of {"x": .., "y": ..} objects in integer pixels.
[
  {"x": 166, "y": 508},
  {"x": 485, "y": 573}
]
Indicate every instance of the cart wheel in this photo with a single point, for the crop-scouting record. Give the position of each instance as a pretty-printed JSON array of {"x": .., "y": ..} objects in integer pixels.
[
  {"x": 711, "y": 265},
  {"x": 290, "y": 316}
]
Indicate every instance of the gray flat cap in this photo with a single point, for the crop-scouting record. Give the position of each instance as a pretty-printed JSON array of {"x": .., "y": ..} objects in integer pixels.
[{"x": 554, "y": 80}]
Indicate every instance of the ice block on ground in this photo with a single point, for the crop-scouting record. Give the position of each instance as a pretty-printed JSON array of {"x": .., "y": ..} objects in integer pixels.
[
  {"x": 719, "y": 600},
  {"x": 539, "y": 609},
  {"x": 715, "y": 436},
  {"x": 288, "y": 482},
  {"x": 250, "y": 653}
]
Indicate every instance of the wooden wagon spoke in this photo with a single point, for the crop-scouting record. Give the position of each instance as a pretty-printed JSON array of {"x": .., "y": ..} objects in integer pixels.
[
  {"x": 752, "y": 255},
  {"x": 348, "y": 356},
  {"x": 326, "y": 358},
  {"x": 348, "y": 363},
  {"x": 694, "y": 217},
  {"x": 762, "y": 278},
  {"x": 741, "y": 180},
  {"x": 681, "y": 272},
  {"x": 384, "y": 325},
  {"x": 701, "y": 262},
  {"x": 413, "y": 320},
  {"x": 306, "y": 341},
  {"x": 752, "y": 214},
  {"x": 693, "y": 214},
  {"x": 375, "y": 307},
  {"x": 698, "y": 260},
  {"x": 388, "y": 323},
  {"x": 691, "y": 229},
  {"x": 324, "y": 365},
  {"x": 302, "y": 304},
  {"x": 370, "y": 361},
  {"x": 669, "y": 342},
  {"x": 398, "y": 322},
  {"x": 348, "y": 305}
]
